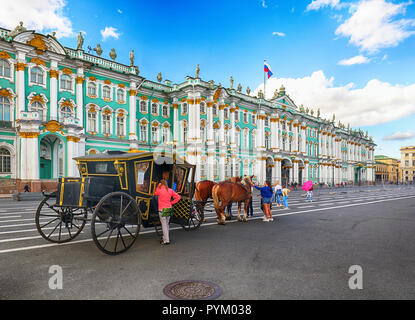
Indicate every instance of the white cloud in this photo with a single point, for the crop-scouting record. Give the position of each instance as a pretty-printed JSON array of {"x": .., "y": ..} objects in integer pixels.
[
  {"x": 378, "y": 102},
  {"x": 264, "y": 4},
  {"x": 119, "y": 11},
  {"x": 109, "y": 32},
  {"x": 40, "y": 15},
  {"x": 354, "y": 60},
  {"x": 400, "y": 136},
  {"x": 280, "y": 34},
  {"x": 318, "y": 4},
  {"x": 372, "y": 25}
]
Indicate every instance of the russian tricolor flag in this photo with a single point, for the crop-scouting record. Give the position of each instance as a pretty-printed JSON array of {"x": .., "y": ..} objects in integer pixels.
[{"x": 268, "y": 70}]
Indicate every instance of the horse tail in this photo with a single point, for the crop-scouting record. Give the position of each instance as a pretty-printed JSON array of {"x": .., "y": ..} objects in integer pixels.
[
  {"x": 197, "y": 192},
  {"x": 215, "y": 196}
]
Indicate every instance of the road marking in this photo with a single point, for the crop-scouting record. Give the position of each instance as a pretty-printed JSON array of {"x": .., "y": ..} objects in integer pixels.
[{"x": 8, "y": 217}]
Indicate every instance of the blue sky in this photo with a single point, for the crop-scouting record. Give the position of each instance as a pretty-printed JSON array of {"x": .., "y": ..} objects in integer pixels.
[{"x": 305, "y": 43}]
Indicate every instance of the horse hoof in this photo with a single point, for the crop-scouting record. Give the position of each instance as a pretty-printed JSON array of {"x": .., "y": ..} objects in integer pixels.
[
  {"x": 245, "y": 220},
  {"x": 239, "y": 219},
  {"x": 204, "y": 220}
]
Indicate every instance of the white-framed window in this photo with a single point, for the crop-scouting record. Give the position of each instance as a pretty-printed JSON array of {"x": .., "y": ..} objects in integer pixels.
[
  {"x": 266, "y": 121},
  {"x": 245, "y": 117},
  {"x": 120, "y": 125},
  {"x": 184, "y": 108},
  {"x": 5, "y": 68},
  {"x": 165, "y": 135},
  {"x": 143, "y": 132},
  {"x": 227, "y": 137},
  {"x": 92, "y": 89},
  {"x": 203, "y": 133},
  {"x": 226, "y": 113},
  {"x": 165, "y": 111},
  {"x": 253, "y": 139},
  {"x": 203, "y": 169},
  {"x": 202, "y": 108},
  {"x": 5, "y": 161},
  {"x": 185, "y": 132},
  {"x": 36, "y": 76},
  {"x": 154, "y": 108},
  {"x": 253, "y": 119},
  {"x": 66, "y": 82},
  {"x": 154, "y": 134},
  {"x": 237, "y": 137},
  {"x": 236, "y": 116},
  {"x": 143, "y": 106},
  {"x": 38, "y": 107},
  {"x": 246, "y": 139},
  {"x": 65, "y": 112},
  {"x": 120, "y": 95},
  {"x": 5, "y": 106},
  {"x": 106, "y": 92},
  {"x": 92, "y": 121},
  {"x": 215, "y": 110},
  {"x": 106, "y": 123},
  {"x": 216, "y": 135},
  {"x": 266, "y": 141}
]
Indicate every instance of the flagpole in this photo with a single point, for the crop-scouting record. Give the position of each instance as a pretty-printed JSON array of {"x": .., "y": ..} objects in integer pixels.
[{"x": 264, "y": 80}]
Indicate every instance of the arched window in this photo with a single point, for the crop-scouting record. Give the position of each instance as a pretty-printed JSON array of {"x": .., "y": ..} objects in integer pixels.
[
  {"x": 4, "y": 68},
  {"x": 165, "y": 134},
  {"x": 253, "y": 137},
  {"x": 143, "y": 106},
  {"x": 106, "y": 92},
  {"x": 246, "y": 139},
  {"x": 154, "y": 134},
  {"x": 66, "y": 82},
  {"x": 38, "y": 107},
  {"x": 237, "y": 138},
  {"x": 165, "y": 111},
  {"x": 143, "y": 132},
  {"x": 5, "y": 158},
  {"x": 66, "y": 112},
  {"x": 120, "y": 125},
  {"x": 120, "y": 95},
  {"x": 203, "y": 169},
  {"x": 284, "y": 141},
  {"x": 92, "y": 121},
  {"x": 92, "y": 89},
  {"x": 4, "y": 109},
  {"x": 185, "y": 134},
  {"x": 106, "y": 122},
  {"x": 203, "y": 133},
  {"x": 36, "y": 75},
  {"x": 227, "y": 137},
  {"x": 246, "y": 117},
  {"x": 155, "y": 108}
]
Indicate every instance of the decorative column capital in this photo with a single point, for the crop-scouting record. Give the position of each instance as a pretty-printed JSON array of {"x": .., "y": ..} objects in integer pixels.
[
  {"x": 134, "y": 92},
  {"x": 29, "y": 134},
  {"x": 20, "y": 66},
  {"x": 53, "y": 74},
  {"x": 80, "y": 80}
]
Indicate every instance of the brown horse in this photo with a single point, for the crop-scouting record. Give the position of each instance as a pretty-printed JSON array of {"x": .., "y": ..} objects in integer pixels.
[
  {"x": 227, "y": 192},
  {"x": 203, "y": 192}
]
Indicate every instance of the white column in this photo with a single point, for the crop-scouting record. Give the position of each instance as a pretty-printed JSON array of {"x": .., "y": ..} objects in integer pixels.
[
  {"x": 53, "y": 76},
  {"x": 72, "y": 153},
  {"x": 222, "y": 167},
  {"x": 295, "y": 142},
  {"x": 132, "y": 115},
  {"x": 306, "y": 169},
  {"x": 29, "y": 155},
  {"x": 232, "y": 132},
  {"x": 176, "y": 125},
  {"x": 20, "y": 84},
  {"x": 303, "y": 139},
  {"x": 274, "y": 133},
  {"x": 296, "y": 173},
  {"x": 222, "y": 125},
  {"x": 278, "y": 169},
  {"x": 79, "y": 95}
]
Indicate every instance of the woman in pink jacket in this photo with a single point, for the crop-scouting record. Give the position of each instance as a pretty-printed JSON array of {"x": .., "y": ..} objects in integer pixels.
[{"x": 165, "y": 195}]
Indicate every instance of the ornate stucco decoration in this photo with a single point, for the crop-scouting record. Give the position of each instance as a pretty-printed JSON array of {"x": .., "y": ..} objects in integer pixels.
[
  {"x": 38, "y": 61},
  {"x": 38, "y": 42},
  {"x": 6, "y": 93},
  {"x": 53, "y": 126},
  {"x": 67, "y": 71},
  {"x": 4, "y": 55},
  {"x": 39, "y": 97}
]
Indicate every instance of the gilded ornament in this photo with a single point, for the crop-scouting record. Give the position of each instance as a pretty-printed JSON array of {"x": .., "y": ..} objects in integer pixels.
[
  {"x": 98, "y": 50},
  {"x": 113, "y": 54},
  {"x": 20, "y": 66},
  {"x": 53, "y": 73},
  {"x": 53, "y": 126},
  {"x": 38, "y": 61},
  {"x": 80, "y": 80},
  {"x": 4, "y": 55},
  {"x": 5, "y": 93},
  {"x": 67, "y": 71},
  {"x": 38, "y": 43}
]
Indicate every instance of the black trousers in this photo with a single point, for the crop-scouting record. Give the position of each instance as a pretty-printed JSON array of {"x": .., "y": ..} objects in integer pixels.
[{"x": 250, "y": 208}]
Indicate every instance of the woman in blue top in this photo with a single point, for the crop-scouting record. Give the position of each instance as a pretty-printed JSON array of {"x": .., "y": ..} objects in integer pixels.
[{"x": 266, "y": 194}]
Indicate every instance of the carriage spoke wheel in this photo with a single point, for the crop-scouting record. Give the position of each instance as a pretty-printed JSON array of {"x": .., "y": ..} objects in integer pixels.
[
  {"x": 59, "y": 224},
  {"x": 195, "y": 220},
  {"x": 115, "y": 223}
]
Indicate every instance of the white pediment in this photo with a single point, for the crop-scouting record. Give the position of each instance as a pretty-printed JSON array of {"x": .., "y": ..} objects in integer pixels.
[{"x": 39, "y": 40}]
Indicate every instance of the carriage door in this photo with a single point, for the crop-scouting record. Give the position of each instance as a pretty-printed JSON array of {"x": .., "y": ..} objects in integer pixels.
[{"x": 184, "y": 186}]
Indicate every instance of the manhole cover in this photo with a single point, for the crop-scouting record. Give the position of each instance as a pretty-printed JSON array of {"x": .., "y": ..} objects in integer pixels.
[{"x": 192, "y": 290}]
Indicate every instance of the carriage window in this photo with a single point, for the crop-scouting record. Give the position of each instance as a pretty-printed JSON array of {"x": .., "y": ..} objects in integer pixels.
[
  {"x": 143, "y": 176},
  {"x": 101, "y": 167},
  {"x": 188, "y": 183},
  {"x": 179, "y": 176}
]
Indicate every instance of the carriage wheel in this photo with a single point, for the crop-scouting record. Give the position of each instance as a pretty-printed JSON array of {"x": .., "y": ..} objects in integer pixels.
[
  {"x": 59, "y": 224},
  {"x": 195, "y": 220},
  {"x": 115, "y": 223}
]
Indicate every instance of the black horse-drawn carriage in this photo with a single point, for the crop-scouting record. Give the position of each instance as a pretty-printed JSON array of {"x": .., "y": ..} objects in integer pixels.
[{"x": 117, "y": 191}]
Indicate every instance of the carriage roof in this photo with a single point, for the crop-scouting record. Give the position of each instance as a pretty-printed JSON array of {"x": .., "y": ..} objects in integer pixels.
[{"x": 131, "y": 156}]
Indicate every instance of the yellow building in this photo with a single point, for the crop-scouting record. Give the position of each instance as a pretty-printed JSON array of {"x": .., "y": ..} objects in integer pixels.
[
  {"x": 387, "y": 169},
  {"x": 408, "y": 164}
]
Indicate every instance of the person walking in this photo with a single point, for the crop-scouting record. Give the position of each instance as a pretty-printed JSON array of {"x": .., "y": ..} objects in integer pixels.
[
  {"x": 165, "y": 207},
  {"x": 310, "y": 195},
  {"x": 277, "y": 193},
  {"x": 266, "y": 195},
  {"x": 285, "y": 192}
]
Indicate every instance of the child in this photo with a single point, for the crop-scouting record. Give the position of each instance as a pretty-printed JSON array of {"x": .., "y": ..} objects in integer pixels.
[
  {"x": 285, "y": 192},
  {"x": 278, "y": 193},
  {"x": 310, "y": 195}
]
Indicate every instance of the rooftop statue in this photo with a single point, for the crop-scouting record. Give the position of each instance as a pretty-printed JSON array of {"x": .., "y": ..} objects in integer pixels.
[
  {"x": 248, "y": 91},
  {"x": 112, "y": 54},
  {"x": 17, "y": 30},
  {"x": 159, "y": 77},
  {"x": 260, "y": 94},
  {"x": 275, "y": 94},
  {"x": 239, "y": 88},
  {"x": 318, "y": 113},
  {"x": 98, "y": 50},
  {"x": 137, "y": 71},
  {"x": 312, "y": 112},
  {"x": 132, "y": 58},
  {"x": 197, "y": 71},
  {"x": 80, "y": 41},
  {"x": 231, "y": 81}
]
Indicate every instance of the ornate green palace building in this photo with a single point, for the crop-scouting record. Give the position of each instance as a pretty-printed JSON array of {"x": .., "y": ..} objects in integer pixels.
[{"x": 57, "y": 103}]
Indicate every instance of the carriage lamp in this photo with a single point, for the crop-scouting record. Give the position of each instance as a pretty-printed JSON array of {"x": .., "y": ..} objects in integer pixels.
[{"x": 118, "y": 167}]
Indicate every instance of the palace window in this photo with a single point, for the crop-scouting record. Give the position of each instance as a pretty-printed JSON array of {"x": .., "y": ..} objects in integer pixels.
[
  {"x": 253, "y": 140},
  {"x": 236, "y": 115},
  {"x": 227, "y": 137},
  {"x": 165, "y": 111},
  {"x": 237, "y": 135},
  {"x": 215, "y": 110},
  {"x": 266, "y": 142},
  {"x": 165, "y": 135},
  {"x": 143, "y": 132},
  {"x": 5, "y": 162},
  {"x": 106, "y": 123},
  {"x": 4, "y": 68},
  {"x": 246, "y": 140},
  {"x": 215, "y": 169},
  {"x": 226, "y": 113},
  {"x": 36, "y": 75},
  {"x": 202, "y": 108},
  {"x": 66, "y": 112},
  {"x": 143, "y": 106},
  {"x": 185, "y": 130},
  {"x": 66, "y": 82},
  {"x": 284, "y": 126},
  {"x": 154, "y": 109},
  {"x": 284, "y": 141},
  {"x": 203, "y": 169},
  {"x": 246, "y": 117},
  {"x": 92, "y": 121},
  {"x": 216, "y": 135},
  {"x": 106, "y": 92},
  {"x": 120, "y": 125},
  {"x": 4, "y": 109},
  {"x": 92, "y": 89},
  {"x": 253, "y": 119},
  {"x": 38, "y": 107},
  {"x": 120, "y": 95},
  {"x": 203, "y": 134},
  {"x": 266, "y": 121},
  {"x": 184, "y": 108},
  {"x": 154, "y": 135}
]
